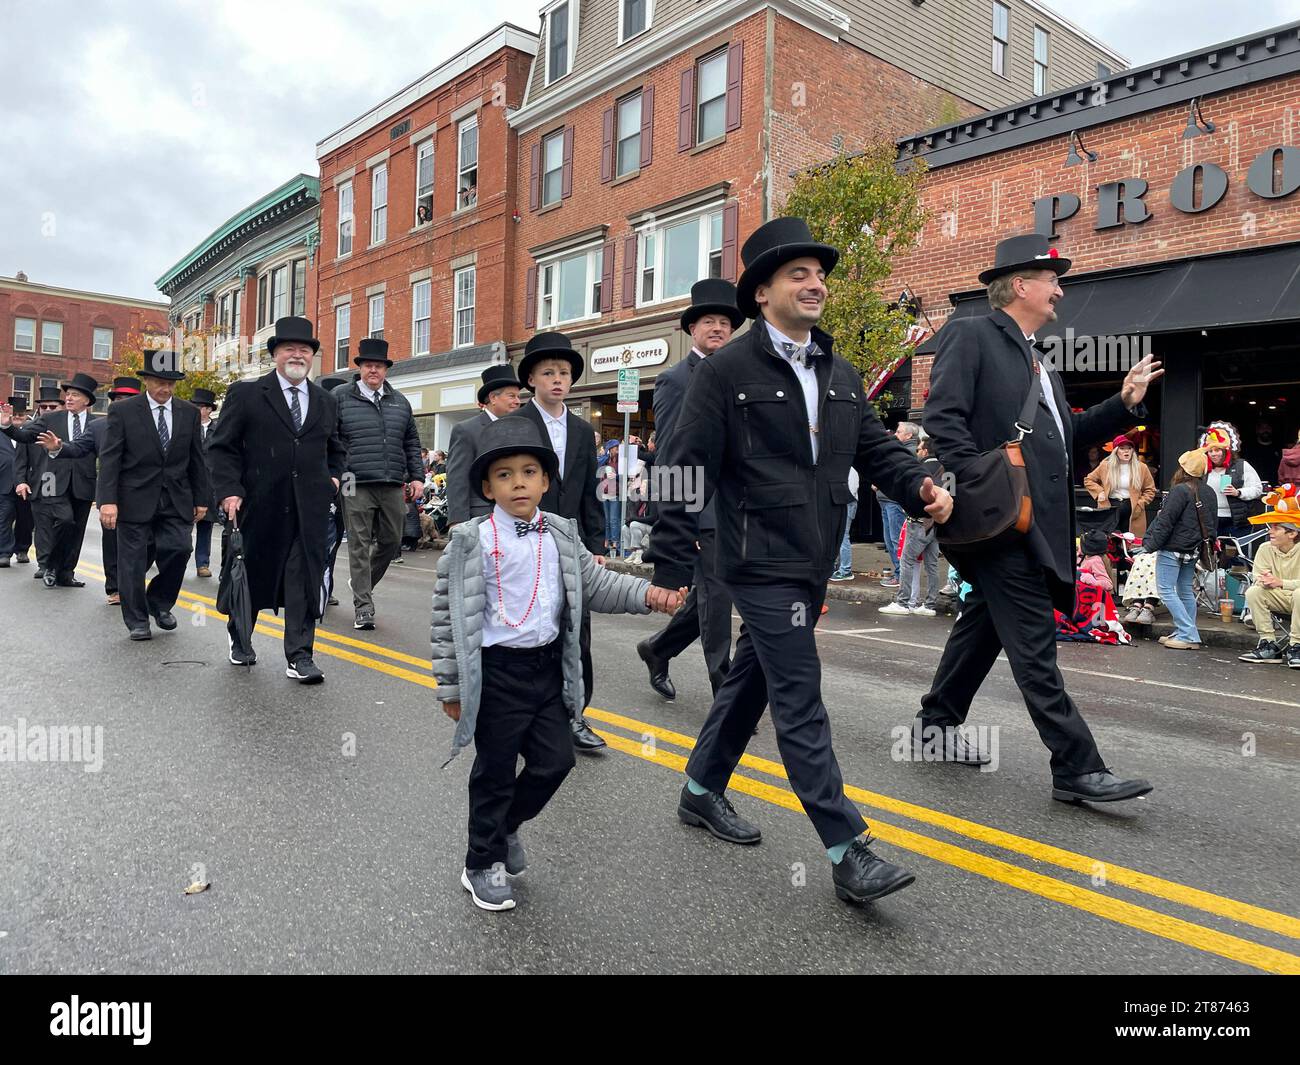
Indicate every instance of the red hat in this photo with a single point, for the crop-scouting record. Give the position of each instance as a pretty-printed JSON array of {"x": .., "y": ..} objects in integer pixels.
[{"x": 1122, "y": 441}]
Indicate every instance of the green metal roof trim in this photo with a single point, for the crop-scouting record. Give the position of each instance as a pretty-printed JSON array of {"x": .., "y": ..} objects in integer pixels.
[{"x": 301, "y": 183}]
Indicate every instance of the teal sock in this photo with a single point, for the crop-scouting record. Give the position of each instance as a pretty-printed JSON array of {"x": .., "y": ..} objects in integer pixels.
[
  {"x": 836, "y": 854},
  {"x": 694, "y": 788}
]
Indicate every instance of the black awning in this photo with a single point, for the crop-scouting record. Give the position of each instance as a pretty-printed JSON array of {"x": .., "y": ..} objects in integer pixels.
[{"x": 1238, "y": 288}]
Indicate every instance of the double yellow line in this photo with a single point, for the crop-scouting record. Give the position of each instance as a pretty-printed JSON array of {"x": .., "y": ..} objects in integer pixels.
[{"x": 645, "y": 741}]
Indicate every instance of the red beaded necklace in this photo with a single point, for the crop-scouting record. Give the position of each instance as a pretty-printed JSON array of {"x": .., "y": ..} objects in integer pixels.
[{"x": 537, "y": 579}]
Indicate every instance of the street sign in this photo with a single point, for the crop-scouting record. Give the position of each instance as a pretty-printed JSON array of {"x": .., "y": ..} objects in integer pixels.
[{"x": 629, "y": 391}]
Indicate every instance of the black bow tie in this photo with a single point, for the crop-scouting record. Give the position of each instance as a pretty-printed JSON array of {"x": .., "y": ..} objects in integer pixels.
[
  {"x": 803, "y": 354},
  {"x": 523, "y": 528}
]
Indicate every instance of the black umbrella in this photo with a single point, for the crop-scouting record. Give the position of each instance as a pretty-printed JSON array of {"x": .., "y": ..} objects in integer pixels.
[{"x": 233, "y": 598}]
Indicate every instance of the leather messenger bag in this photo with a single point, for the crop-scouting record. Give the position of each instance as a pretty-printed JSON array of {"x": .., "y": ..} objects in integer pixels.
[{"x": 991, "y": 502}]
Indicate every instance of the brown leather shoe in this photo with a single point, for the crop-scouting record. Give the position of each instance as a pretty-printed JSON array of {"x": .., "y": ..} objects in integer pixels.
[
  {"x": 203, "y": 571},
  {"x": 115, "y": 600}
]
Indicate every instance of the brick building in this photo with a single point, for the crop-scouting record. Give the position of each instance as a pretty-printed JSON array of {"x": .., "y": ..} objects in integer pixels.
[
  {"x": 655, "y": 136},
  {"x": 417, "y": 228},
  {"x": 1175, "y": 190},
  {"x": 47, "y": 334},
  {"x": 257, "y": 266}
]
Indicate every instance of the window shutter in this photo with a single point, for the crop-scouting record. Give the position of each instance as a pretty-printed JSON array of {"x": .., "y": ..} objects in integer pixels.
[
  {"x": 735, "y": 69},
  {"x": 607, "y": 278},
  {"x": 647, "y": 125},
  {"x": 566, "y": 174},
  {"x": 607, "y": 146},
  {"x": 530, "y": 299},
  {"x": 730, "y": 224},
  {"x": 686, "y": 112},
  {"x": 629, "y": 270},
  {"x": 535, "y": 178}
]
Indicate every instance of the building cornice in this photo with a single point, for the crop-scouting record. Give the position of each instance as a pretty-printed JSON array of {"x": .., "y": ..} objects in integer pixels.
[
  {"x": 651, "y": 50},
  {"x": 29, "y": 288}
]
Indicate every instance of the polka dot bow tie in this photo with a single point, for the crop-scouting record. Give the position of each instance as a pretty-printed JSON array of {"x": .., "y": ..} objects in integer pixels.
[
  {"x": 801, "y": 354},
  {"x": 523, "y": 528}
]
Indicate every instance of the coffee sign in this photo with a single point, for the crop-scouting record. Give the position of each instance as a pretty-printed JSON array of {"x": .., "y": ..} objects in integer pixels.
[
  {"x": 1274, "y": 174},
  {"x": 629, "y": 356}
]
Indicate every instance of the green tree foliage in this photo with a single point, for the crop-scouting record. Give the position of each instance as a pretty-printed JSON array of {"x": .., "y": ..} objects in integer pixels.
[{"x": 202, "y": 369}]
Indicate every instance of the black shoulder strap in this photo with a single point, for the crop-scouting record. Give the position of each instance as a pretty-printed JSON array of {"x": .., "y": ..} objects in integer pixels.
[
  {"x": 1200, "y": 518},
  {"x": 1025, "y": 423}
]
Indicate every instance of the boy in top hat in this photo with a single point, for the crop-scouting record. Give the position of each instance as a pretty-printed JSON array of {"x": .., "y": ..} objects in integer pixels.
[
  {"x": 206, "y": 401},
  {"x": 550, "y": 368},
  {"x": 1276, "y": 588},
  {"x": 378, "y": 427},
  {"x": 710, "y": 320},
  {"x": 498, "y": 395},
  {"x": 511, "y": 586},
  {"x": 775, "y": 421},
  {"x": 62, "y": 493}
]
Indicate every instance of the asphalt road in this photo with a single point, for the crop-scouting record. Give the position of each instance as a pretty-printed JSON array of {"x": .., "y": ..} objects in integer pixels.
[{"x": 333, "y": 842}]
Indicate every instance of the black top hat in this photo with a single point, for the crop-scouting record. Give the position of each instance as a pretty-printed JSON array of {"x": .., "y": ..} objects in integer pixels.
[
  {"x": 82, "y": 382},
  {"x": 372, "y": 350},
  {"x": 505, "y": 437},
  {"x": 499, "y": 375},
  {"x": 1028, "y": 251},
  {"x": 162, "y": 364},
  {"x": 124, "y": 386},
  {"x": 204, "y": 397},
  {"x": 713, "y": 295},
  {"x": 50, "y": 394},
  {"x": 771, "y": 245},
  {"x": 293, "y": 328},
  {"x": 332, "y": 381},
  {"x": 19, "y": 404},
  {"x": 549, "y": 346}
]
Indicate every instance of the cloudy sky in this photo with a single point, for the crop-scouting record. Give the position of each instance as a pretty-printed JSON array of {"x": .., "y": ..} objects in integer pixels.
[{"x": 133, "y": 128}]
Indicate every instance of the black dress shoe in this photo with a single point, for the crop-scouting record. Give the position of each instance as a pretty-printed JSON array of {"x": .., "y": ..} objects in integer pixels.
[
  {"x": 1102, "y": 786},
  {"x": 39, "y": 575},
  {"x": 49, "y": 579},
  {"x": 715, "y": 813},
  {"x": 4, "y": 563},
  {"x": 165, "y": 620},
  {"x": 23, "y": 560},
  {"x": 584, "y": 739},
  {"x": 862, "y": 876},
  {"x": 658, "y": 671},
  {"x": 70, "y": 582},
  {"x": 947, "y": 745},
  {"x": 141, "y": 633}
]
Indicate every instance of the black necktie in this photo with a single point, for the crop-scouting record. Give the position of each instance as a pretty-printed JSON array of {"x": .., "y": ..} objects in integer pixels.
[
  {"x": 523, "y": 528},
  {"x": 76, "y": 427},
  {"x": 295, "y": 410},
  {"x": 163, "y": 435}
]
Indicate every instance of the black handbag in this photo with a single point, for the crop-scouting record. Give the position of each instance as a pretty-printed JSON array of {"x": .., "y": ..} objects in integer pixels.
[{"x": 991, "y": 505}]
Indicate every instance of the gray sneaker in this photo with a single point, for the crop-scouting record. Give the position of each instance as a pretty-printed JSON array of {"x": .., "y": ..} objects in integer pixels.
[
  {"x": 516, "y": 856},
  {"x": 1145, "y": 617},
  {"x": 489, "y": 888},
  {"x": 365, "y": 619}
]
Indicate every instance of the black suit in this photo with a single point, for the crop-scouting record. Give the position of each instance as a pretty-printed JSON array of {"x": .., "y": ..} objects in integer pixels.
[
  {"x": 62, "y": 491},
  {"x": 203, "y": 530},
  {"x": 706, "y": 614},
  {"x": 463, "y": 501},
  {"x": 9, "y": 461},
  {"x": 24, "y": 523},
  {"x": 981, "y": 375},
  {"x": 155, "y": 491}
]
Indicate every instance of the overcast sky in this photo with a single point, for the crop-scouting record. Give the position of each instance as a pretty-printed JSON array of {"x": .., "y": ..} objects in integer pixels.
[{"x": 131, "y": 129}]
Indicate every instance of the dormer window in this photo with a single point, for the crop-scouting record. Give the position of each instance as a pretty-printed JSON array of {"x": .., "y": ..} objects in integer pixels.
[
  {"x": 634, "y": 17},
  {"x": 561, "y": 36}
]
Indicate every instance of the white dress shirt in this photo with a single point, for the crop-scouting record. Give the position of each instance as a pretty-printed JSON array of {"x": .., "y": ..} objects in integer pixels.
[
  {"x": 558, "y": 430},
  {"x": 167, "y": 416},
  {"x": 518, "y": 564},
  {"x": 301, "y": 386},
  {"x": 807, "y": 379},
  {"x": 369, "y": 393},
  {"x": 492, "y": 417}
]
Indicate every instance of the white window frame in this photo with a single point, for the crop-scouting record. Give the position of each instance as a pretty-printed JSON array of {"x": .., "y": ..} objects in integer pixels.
[
  {"x": 376, "y": 300},
  {"x": 378, "y": 204},
  {"x": 27, "y": 392},
  {"x": 547, "y": 318},
  {"x": 420, "y": 155},
  {"x": 1001, "y": 45},
  {"x": 95, "y": 344},
  {"x": 32, "y": 333},
  {"x": 459, "y": 340},
  {"x": 273, "y": 293},
  {"x": 554, "y": 138},
  {"x": 1040, "y": 65},
  {"x": 639, "y": 96},
  {"x": 293, "y": 285},
  {"x": 572, "y": 42},
  {"x": 649, "y": 20},
  {"x": 656, "y": 237},
  {"x": 343, "y": 333},
  {"x": 427, "y": 287},
  {"x": 461, "y": 169},
  {"x": 347, "y": 220},
  {"x": 57, "y": 338},
  {"x": 722, "y": 57}
]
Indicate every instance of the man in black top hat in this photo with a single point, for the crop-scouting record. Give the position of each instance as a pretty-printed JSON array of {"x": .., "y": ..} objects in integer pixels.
[
  {"x": 709, "y": 320},
  {"x": 206, "y": 402},
  {"x": 277, "y": 460},
  {"x": 63, "y": 492},
  {"x": 498, "y": 395},
  {"x": 775, "y": 421},
  {"x": 12, "y": 464},
  {"x": 550, "y": 368},
  {"x": 27, "y": 458},
  {"x": 385, "y": 473},
  {"x": 979, "y": 383}
]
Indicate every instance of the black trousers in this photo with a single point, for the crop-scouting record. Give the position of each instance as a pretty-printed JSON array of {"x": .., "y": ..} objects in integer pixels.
[
  {"x": 8, "y": 512},
  {"x": 706, "y": 616},
  {"x": 776, "y": 664},
  {"x": 522, "y": 712},
  {"x": 61, "y": 524},
  {"x": 24, "y": 523},
  {"x": 300, "y": 602},
  {"x": 1011, "y": 608},
  {"x": 108, "y": 543},
  {"x": 169, "y": 536},
  {"x": 588, "y": 671}
]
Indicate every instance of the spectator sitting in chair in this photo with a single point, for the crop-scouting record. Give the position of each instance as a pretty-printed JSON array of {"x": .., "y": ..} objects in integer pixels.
[{"x": 1276, "y": 588}]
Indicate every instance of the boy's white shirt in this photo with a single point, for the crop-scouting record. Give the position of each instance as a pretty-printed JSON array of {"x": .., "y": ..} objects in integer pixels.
[{"x": 518, "y": 573}]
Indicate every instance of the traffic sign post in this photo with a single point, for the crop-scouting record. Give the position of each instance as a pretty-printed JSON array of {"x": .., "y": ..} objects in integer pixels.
[{"x": 629, "y": 398}]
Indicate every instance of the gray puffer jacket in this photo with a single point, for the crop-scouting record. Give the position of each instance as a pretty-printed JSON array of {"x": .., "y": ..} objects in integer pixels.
[
  {"x": 460, "y": 598},
  {"x": 381, "y": 450}
]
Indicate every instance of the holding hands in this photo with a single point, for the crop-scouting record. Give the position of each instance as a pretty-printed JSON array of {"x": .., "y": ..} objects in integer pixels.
[{"x": 665, "y": 600}]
